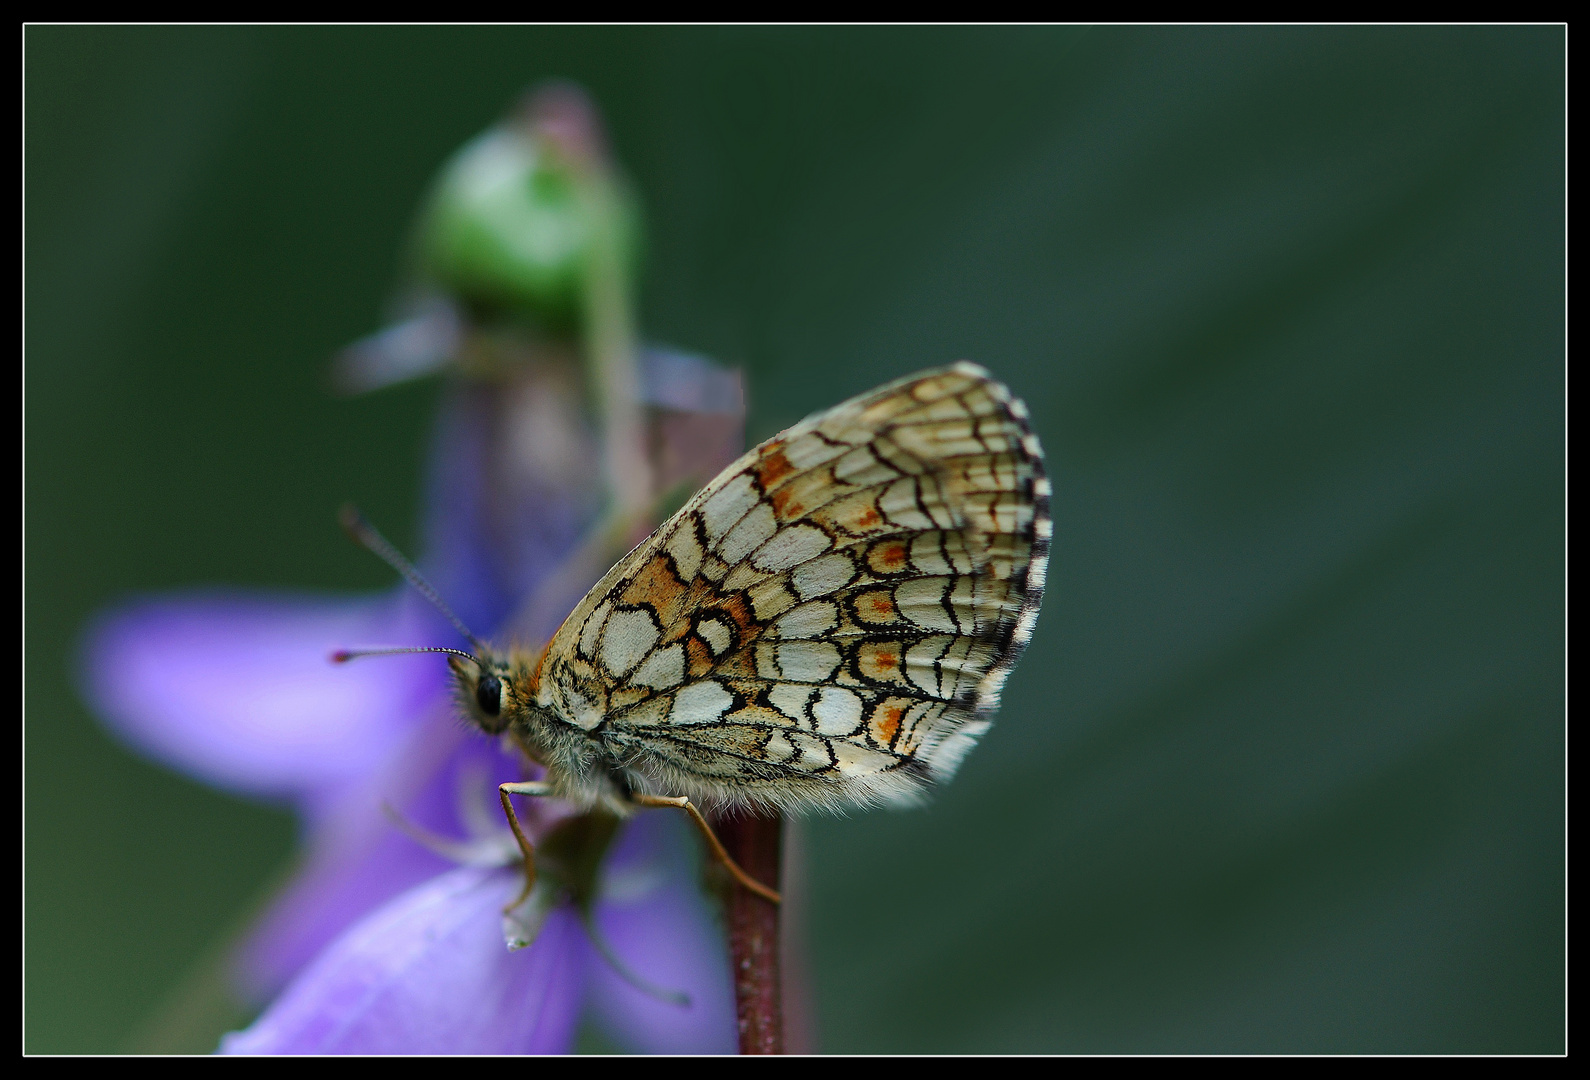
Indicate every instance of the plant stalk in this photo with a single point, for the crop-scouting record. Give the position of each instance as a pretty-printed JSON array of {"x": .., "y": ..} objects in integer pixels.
[{"x": 755, "y": 841}]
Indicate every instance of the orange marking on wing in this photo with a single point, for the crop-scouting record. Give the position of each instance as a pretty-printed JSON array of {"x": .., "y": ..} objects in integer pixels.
[
  {"x": 657, "y": 584},
  {"x": 886, "y": 721},
  {"x": 737, "y": 665},
  {"x": 786, "y": 505},
  {"x": 880, "y": 660},
  {"x": 738, "y": 608},
  {"x": 697, "y": 656},
  {"x": 876, "y": 606},
  {"x": 889, "y": 557},
  {"x": 857, "y": 514},
  {"x": 772, "y": 468},
  {"x": 698, "y": 594}
]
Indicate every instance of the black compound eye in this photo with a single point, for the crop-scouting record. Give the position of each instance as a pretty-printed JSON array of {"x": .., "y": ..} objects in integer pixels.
[{"x": 488, "y": 693}]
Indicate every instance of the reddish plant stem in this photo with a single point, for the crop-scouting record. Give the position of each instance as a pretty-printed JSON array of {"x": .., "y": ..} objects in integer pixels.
[{"x": 754, "y": 842}]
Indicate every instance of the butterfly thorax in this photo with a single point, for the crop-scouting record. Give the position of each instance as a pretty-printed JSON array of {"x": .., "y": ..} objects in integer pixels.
[
  {"x": 501, "y": 695},
  {"x": 577, "y": 765}
]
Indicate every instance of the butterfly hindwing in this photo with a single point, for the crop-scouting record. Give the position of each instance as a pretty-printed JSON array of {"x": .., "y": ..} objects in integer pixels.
[{"x": 831, "y": 620}]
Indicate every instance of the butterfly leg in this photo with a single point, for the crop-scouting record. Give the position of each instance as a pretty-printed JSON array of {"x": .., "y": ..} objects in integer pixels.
[
  {"x": 680, "y": 802},
  {"x": 529, "y": 787}
]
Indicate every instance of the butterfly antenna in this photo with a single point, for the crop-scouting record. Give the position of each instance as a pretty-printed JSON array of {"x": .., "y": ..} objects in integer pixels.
[
  {"x": 342, "y": 656},
  {"x": 365, "y": 535}
]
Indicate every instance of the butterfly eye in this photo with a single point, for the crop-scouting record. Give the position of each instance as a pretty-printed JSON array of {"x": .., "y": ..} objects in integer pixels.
[{"x": 488, "y": 693}]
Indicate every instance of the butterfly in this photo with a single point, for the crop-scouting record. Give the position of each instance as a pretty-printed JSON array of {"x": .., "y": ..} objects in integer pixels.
[{"x": 827, "y": 624}]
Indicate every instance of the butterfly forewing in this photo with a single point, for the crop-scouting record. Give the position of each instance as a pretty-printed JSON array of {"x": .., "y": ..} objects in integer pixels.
[{"x": 831, "y": 620}]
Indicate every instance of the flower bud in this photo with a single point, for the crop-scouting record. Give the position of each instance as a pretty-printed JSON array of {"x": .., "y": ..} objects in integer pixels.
[{"x": 517, "y": 215}]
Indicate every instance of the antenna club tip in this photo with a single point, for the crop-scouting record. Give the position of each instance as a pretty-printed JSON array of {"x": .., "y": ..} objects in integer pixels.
[{"x": 341, "y": 656}]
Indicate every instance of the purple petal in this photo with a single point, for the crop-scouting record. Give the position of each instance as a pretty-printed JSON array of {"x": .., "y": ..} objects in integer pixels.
[
  {"x": 416, "y": 345},
  {"x": 513, "y": 486},
  {"x": 358, "y": 859},
  {"x": 238, "y": 690},
  {"x": 657, "y": 922},
  {"x": 428, "y": 974},
  {"x": 687, "y": 383}
]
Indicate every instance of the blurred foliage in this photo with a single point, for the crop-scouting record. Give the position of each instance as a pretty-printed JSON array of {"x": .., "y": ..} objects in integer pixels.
[{"x": 1284, "y": 768}]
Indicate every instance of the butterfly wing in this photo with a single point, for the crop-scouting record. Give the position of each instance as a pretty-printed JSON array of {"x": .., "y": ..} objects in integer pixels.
[{"x": 831, "y": 620}]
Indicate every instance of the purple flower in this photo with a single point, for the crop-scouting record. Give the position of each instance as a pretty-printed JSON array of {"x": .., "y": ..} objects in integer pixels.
[
  {"x": 428, "y": 971},
  {"x": 379, "y": 943}
]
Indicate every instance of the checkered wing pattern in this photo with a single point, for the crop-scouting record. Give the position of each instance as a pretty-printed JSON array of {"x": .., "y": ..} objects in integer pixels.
[{"x": 831, "y": 620}]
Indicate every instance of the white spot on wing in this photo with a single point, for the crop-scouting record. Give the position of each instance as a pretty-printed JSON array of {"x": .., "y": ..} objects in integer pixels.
[
  {"x": 742, "y": 577},
  {"x": 701, "y": 703},
  {"x": 663, "y": 669},
  {"x": 899, "y": 504},
  {"x": 853, "y": 759},
  {"x": 755, "y": 527},
  {"x": 927, "y": 555},
  {"x": 807, "y": 661},
  {"x": 806, "y": 621},
  {"x": 629, "y": 636},
  {"x": 921, "y": 601},
  {"x": 862, "y": 468},
  {"x": 823, "y": 575},
  {"x": 808, "y": 450},
  {"x": 769, "y": 598},
  {"x": 790, "y": 699},
  {"x": 813, "y": 751},
  {"x": 837, "y": 711},
  {"x": 728, "y": 505},
  {"x": 685, "y": 549},
  {"x": 920, "y": 666},
  {"x": 717, "y": 634},
  {"x": 592, "y": 628},
  {"x": 779, "y": 749},
  {"x": 790, "y": 547}
]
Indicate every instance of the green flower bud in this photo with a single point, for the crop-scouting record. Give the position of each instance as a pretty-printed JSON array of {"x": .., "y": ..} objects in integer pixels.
[{"x": 515, "y": 223}]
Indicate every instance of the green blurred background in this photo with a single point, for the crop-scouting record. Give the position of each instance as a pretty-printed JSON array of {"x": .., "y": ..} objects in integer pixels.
[{"x": 1284, "y": 767}]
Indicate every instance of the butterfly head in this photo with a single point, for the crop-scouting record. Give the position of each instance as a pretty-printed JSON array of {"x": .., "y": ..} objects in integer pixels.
[
  {"x": 495, "y": 691},
  {"x": 486, "y": 691}
]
